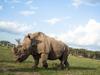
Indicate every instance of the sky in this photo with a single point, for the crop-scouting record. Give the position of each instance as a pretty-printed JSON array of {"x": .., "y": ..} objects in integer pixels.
[{"x": 75, "y": 22}]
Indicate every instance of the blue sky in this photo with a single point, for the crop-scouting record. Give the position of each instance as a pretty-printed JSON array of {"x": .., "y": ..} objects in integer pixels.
[{"x": 76, "y": 22}]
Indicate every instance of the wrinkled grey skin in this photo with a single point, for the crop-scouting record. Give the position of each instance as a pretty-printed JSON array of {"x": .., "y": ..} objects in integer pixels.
[{"x": 42, "y": 48}]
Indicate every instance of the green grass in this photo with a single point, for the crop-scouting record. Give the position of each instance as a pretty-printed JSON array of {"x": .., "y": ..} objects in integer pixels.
[{"x": 78, "y": 66}]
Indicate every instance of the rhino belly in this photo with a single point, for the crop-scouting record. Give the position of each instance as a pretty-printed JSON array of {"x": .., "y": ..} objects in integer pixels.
[{"x": 52, "y": 56}]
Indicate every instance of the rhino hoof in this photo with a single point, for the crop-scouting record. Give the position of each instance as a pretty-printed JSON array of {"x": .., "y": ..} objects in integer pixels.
[
  {"x": 34, "y": 67},
  {"x": 60, "y": 67},
  {"x": 45, "y": 66}
]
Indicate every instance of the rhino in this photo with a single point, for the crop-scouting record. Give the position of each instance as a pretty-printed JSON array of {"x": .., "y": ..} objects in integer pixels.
[{"x": 42, "y": 48}]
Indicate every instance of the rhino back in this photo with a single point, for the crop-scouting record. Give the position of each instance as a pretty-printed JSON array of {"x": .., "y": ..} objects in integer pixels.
[{"x": 57, "y": 49}]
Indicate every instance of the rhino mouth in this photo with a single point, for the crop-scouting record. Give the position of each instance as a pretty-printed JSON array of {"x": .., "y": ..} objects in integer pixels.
[{"x": 21, "y": 58}]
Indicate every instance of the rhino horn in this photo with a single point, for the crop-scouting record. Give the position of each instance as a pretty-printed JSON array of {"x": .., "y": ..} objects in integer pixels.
[
  {"x": 14, "y": 50},
  {"x": 18, "y": 41}
]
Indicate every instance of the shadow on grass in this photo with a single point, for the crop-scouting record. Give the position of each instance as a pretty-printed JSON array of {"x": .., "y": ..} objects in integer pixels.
[
  {"x": 13, "y": 61},
  {"x": 30, "y": 69},
  {"x": 81, "y": 68},
  {"x": 16, "y": 70},
  {"x": 11, "y": 69},
  {"x": 21, "y": 70},
  {"x": 42, "y": 69}
]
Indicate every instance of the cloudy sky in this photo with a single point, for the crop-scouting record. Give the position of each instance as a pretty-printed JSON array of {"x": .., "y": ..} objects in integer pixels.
[{"x": 76, "y": 22}]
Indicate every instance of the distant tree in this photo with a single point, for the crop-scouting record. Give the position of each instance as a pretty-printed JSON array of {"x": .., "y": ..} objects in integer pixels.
[{"x": 6, "y": 43}]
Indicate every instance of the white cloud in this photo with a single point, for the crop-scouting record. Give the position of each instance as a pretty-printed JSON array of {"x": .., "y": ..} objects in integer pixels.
[
  {"x": 77, "y": 3},
  {"x": 87, "y": 34},
  {"x": 1, "y": 7},
  {"x": 15, "y": 1},
  {"x": 53, "y": 21},
  {"x": 12, "y": 27},
  {"x": 29, "y": 2},
  {"x": 27, "y": 12},
  {"x": 83, "y": 35}
]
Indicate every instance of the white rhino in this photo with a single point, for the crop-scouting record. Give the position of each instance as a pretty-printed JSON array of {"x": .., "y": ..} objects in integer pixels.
[{"x": 42, "y": 48}]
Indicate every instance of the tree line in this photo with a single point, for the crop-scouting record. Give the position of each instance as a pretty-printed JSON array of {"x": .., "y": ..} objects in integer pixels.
[
  {"x": 6, "y": 43},
  {"x": 85, "y": 53}
]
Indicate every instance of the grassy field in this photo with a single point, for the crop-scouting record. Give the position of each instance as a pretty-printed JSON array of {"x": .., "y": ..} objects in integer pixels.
[{"x": 78, "y": 66}]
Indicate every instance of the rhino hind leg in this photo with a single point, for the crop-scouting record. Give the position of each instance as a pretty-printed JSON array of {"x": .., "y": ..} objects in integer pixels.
[{"x": 64, "y": 63}]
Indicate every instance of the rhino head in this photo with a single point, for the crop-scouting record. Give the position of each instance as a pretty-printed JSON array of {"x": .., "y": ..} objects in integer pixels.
[
  {"x": 26, "y": 48},
  {"x": 22, "y": 50}
]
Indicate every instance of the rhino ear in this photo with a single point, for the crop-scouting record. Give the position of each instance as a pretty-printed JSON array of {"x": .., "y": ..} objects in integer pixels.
[{"x": 30, "y": 36}]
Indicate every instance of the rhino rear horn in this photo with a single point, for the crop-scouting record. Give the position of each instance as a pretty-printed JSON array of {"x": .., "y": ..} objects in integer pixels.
[{"x": 18, "y": 41}]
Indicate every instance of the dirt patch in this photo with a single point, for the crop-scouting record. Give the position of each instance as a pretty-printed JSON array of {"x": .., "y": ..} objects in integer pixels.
[
  {"x": 18, "y": 72},
  {"x": 3, "y": 69}
]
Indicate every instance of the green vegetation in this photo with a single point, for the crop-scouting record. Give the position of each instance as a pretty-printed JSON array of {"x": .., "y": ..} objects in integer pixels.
[
  {"x": 78, "y": 66},
  {"x": 85, "y": 53}
]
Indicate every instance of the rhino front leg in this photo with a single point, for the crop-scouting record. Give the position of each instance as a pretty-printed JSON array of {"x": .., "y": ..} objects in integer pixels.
[
  {"x": 43, "y": 60},
  {"x": 36, "y": 62}
]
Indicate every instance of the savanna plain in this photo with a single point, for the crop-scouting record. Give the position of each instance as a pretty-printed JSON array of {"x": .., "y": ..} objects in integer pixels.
[{"x": 78, "y": 66}]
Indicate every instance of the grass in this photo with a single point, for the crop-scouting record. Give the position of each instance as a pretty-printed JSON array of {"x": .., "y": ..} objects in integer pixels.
[{"x": 78, "y": 66}]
